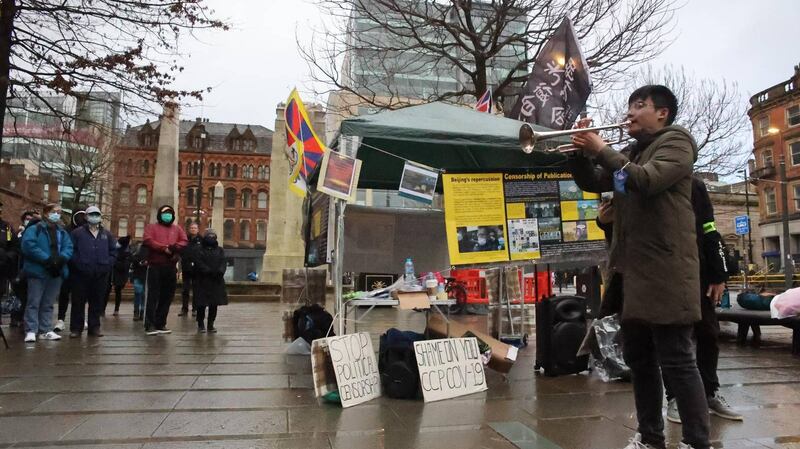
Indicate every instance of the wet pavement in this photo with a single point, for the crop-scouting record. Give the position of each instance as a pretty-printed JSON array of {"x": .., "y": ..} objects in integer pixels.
[{"x": 237, "y": 390}]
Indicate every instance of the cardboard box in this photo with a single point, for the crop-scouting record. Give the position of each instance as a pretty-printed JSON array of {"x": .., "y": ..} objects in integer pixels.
[
  {"x": 412, "y": 300},
  {"x": 503, "y": 355}
]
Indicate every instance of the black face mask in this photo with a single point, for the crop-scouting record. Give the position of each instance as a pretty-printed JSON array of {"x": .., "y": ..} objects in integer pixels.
[{"x": 210, "y": 241}]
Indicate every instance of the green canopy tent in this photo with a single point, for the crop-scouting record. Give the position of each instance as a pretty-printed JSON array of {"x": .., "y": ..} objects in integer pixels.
[{"x": 440, "y": 135}]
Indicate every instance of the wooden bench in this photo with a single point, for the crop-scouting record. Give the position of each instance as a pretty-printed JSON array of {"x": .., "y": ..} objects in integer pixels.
[{"x": 747, "y": 319}]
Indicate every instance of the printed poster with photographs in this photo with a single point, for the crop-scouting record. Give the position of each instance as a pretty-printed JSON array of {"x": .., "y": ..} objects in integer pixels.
[
  {"x": 520, "y": 215},
  {"x": 418, "y": 182}
]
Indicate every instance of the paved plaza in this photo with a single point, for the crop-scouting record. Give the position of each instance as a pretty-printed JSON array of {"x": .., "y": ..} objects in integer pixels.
[{"x": 237, "y": 389}]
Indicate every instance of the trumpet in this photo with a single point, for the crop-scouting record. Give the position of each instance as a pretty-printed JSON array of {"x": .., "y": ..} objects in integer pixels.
[{"x": 528, "y": 138}]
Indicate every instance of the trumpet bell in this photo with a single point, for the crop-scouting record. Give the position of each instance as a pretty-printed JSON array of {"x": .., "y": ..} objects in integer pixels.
[{"x": 527, "y": 138}]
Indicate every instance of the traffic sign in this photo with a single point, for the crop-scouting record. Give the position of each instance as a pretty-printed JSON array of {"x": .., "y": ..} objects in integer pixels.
[{"x": 742, "y": 224}]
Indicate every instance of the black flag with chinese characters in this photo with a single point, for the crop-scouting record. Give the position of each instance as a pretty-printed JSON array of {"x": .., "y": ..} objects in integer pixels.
[{"x": 558, "y": 86}]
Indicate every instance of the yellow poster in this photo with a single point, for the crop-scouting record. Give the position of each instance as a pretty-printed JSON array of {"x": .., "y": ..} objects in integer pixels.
[
  {"x": 534, "y": 214},
  {"x": 475, "y": 218}
]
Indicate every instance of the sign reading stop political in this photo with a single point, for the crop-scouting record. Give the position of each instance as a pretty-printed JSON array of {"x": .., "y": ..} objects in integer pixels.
[
  {"x": 355, "y": 367},
  {"x": 742, "y": 224},
  {"x": 449, "y": 368}
]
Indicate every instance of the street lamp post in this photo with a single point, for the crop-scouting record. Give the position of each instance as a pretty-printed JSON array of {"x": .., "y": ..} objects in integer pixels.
[
  {"x": 200, "y": 175},
  {"x": 748, "y": 254},
  {"x": 788, "y": 264}
]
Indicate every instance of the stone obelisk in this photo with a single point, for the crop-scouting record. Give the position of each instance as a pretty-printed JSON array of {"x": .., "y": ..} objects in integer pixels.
[
  {"x": 284, "y": 242},
  {"x": 217, "y": 212},
  {"x": 165, "y": 184}
]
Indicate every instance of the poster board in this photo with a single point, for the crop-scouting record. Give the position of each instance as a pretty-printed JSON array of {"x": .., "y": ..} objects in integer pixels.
[
  {"x": 319, "y": 229},
  {"x": 534, "y": 214},
  {"x": 355, "y": 367},
  {"x": 449, "y": 368},
  {"x": 418, "y": 182},
  {"x": 338, "y": 175}
]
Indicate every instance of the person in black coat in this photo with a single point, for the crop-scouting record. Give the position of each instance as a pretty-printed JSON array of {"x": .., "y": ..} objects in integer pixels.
[
  {"x": 187, "y": 268},
  {"x": 122, "y": 265},
  {"x": 209, "y": 288}
]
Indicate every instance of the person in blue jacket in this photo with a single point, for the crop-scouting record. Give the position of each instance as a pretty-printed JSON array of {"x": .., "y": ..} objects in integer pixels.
[
  {"x": 46, "y": 248},
  {"x": 95, "y": 253}
]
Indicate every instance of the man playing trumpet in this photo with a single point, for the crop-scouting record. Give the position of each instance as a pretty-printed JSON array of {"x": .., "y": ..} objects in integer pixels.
[{"x": 653, "y": 250}]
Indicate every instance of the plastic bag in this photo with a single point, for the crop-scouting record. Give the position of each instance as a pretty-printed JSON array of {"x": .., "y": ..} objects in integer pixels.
[
  {"x": 10, "y": 304},
  {"x": 786, "y": 305},
  {"x": 604, "y": 344},
  {"x": 299, "y": 347}
]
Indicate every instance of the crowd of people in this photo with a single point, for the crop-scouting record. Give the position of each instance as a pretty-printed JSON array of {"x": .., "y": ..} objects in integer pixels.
[{"x": 79, "y": 265}]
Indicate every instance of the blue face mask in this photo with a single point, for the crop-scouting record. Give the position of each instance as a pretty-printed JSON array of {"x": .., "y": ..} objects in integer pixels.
[
  {"x": 94, "y": 219},
  {"x": 54, "y": 217},
  {"x": 167, "y": 217}
]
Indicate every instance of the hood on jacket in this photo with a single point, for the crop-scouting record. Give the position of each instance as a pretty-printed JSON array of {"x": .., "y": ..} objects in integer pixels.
[
  {"x": 124, "y": 242},
  {"x": 162, "y": 209}
]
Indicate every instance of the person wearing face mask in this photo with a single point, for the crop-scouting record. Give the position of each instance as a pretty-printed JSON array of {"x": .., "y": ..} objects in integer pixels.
[
  {"x": 19, "y": 284},
  {"x": 78, "y": 220},
  {"x": 164, "y": 241},
  {"x": 95, "y": 252},
  {"x": 188, "y": 272},
  {"x": 46, "y": 248},
  {"x": 483, "y": 243},
  {"x": 209, "y": 290}
]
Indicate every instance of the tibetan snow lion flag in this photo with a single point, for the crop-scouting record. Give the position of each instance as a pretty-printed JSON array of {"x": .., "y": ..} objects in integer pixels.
[
  {"x": 485, "y": 102},
  {"x": 304, "y": 148}
]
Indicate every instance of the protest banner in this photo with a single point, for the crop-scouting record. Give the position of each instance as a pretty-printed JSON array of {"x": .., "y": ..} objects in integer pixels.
[
  {"x": 449, "y": 368},
  {"x": 356, "y": 368}
]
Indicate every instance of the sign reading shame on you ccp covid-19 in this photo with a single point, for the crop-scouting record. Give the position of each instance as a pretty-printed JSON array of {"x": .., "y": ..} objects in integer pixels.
[
  {"x": 355, "y": 367},
  {"x": 449, "y": 368}
]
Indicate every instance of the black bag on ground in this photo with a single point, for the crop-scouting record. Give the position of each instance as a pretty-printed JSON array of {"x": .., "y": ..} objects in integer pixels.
[
  {"x": 312, "y": 322},
  {"x": 397, "y": 364}
]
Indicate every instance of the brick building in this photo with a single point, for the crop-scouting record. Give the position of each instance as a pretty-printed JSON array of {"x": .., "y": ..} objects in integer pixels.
[
  {"x": 775, "y": 115},
  {"x": 20, "y": 191},
  {"x": 235, "y": 154}
]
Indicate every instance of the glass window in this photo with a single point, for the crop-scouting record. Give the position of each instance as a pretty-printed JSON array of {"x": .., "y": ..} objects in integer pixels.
[
  {"x": 794, "y": 149},
  {"x": 228, "y": 171},
  {"x": 122, "y": 227},
  {"x": 191, "y": 195},
  {"x": 262, "y": 172},
  {"x": 766, "y": 158},
  {"x": 139, "y": 233},
  {"x": 227, "y": 233},
  {"x": 141, "y": 195},
  {"x": 763, "y": 126},
  {"x": 230, "y": 197},
  {"x": 263, "y": 200},
  {"x": 261, "y": 231},
  {"x": 796, "y": 191},
  {"x": 124, "y": 196},
  {"x": 246, "y": 199},
  {"x": 769, "y": 201},
  {"x": 244, "y": 230},
  {"x": 793, "y": 115}
]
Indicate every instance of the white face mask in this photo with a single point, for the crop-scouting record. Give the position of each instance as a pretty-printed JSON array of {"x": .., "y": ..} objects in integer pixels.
[
  {"x": 94, "y": 219},
  {"x": 481, "y": 241}
]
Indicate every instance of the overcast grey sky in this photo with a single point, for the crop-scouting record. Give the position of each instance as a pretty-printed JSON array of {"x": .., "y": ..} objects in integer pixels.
[{"x": 254, "y": 67}]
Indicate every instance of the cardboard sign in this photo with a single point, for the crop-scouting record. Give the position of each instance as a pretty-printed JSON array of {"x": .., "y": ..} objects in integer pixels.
[
  {"x": 449, "y": 368},
  {"x": 412, "y": 300},
  {"x": 356, "y": 368}
]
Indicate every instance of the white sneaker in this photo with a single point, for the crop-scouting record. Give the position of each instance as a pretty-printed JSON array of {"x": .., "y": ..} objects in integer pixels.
[
  {"x": 50, "y": 336},
  {"x": 636, "y": 443},
  {"x": 59, "y": 326},
  {"x": 684, "y": 446},
  {"x": 30, "y": 337}
]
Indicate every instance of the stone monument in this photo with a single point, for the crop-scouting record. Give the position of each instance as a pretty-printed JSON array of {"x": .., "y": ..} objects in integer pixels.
[
  {"x": 285, "y": 248},
  {"x": 217, "y": 209},
  {"x": 165, "y": 184}
]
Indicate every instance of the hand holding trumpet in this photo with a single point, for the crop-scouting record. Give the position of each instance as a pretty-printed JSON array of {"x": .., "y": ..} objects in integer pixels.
[{"x": 590, "y": 142}]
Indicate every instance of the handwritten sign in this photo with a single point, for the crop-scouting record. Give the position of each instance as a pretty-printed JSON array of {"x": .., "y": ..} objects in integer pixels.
[
  {"x": 449, "y": 368},
  {"x": 356, "y": 368}
]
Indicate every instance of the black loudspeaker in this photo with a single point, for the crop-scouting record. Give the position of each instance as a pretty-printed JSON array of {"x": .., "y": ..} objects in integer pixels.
[
  {"x": 560, "y": 328},
  {"x": 587, "y": 285}
]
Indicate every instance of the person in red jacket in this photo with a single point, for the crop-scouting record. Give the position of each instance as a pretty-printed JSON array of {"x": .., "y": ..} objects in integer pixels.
[{"x": 164, "y": 241}]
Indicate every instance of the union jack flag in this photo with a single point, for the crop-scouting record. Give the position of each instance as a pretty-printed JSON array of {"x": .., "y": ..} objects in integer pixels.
[
  {"x": 305, "y": 149},
  {"x": 485, "y": 102}
]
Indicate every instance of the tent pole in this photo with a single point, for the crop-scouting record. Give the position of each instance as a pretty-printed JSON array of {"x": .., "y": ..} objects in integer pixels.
[{"x": 338, "y": 261}]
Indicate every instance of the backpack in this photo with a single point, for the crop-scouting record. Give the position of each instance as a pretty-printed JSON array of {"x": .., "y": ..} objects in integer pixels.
[
  {"x": 397, "y": 364},
  {"x": 312, "y": 322}
]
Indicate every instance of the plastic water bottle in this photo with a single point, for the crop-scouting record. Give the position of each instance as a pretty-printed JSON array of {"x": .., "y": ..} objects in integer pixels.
[{"x": 410, "y": 278}]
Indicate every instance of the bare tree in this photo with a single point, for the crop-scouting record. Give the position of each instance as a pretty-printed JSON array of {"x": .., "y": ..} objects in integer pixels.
[
  {"x": 455, "y": 49},
  {"x": 103, "y": 46},
  {"x": 714, "y": 111}
]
